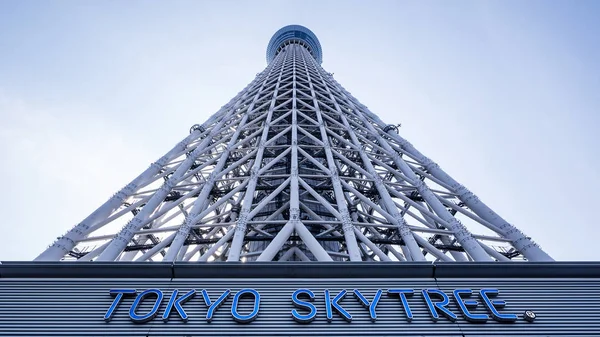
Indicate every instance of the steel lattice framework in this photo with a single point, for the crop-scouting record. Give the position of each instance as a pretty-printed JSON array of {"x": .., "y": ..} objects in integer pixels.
[{"x": 294, "y": 168}]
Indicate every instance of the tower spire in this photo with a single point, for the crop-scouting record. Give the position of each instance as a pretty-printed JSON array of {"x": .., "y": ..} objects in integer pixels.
[{"x": 294, "y": 168}]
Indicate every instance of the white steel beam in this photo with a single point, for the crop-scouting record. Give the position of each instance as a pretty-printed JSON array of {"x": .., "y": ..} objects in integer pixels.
[{"x": 347, "y": 227}]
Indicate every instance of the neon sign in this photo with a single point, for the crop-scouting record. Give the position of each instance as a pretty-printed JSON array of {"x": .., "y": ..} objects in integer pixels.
[{"x": 305, "y": 310}]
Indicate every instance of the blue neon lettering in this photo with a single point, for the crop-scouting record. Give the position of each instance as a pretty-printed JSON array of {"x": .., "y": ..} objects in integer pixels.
[
  {"x": 465, "y": 304},
  {"x": 440, "y": 307},
  {"x": 404, "y": 293},
  {"x": 305, "y": 310},
  {"x": 303, "y": 304},
  {"x": 118, "y": 293},
  {"x": 212, "y": 307},
  {"x": 234, "y": 307},
  {"x": 372, "y": 305},
  {"x": 152, "y": 313},
  {"x": 334, "y": 304},
  {"x": 492, "y": 304},
  {"x": 176, "y": 303}
]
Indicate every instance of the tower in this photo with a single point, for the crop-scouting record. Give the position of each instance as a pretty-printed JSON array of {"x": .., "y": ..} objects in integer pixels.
[{"x": 294, "y": 168}]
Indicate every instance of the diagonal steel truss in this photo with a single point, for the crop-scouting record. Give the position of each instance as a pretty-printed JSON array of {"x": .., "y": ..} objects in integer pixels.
[{"x": 294, "y": 169}]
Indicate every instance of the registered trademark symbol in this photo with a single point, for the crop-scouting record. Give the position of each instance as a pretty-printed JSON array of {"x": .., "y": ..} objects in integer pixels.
[{"x": 529, "y": 315}]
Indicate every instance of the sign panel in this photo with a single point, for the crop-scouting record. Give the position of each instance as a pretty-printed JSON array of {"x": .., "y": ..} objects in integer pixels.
[{"x": 303, "y": 308}]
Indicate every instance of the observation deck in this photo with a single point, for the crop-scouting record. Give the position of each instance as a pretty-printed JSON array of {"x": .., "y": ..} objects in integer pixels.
[{"x": 294, "y": 34}]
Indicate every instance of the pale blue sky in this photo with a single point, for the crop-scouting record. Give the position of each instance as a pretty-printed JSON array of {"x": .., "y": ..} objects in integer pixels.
[{"x": 504, "y": 95}]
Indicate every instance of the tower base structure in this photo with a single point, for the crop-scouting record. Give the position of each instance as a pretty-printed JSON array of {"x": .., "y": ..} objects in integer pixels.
[
  {"x": 294, "y": 168},
  {"x": 299, "y": 299}
]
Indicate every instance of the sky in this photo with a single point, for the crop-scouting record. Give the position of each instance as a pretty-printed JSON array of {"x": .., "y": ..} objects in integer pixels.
[{"x": 503, "y": 95}]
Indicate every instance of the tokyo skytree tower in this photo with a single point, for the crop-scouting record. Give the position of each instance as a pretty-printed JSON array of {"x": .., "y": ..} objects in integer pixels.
[{"x": 294, "y": 168}]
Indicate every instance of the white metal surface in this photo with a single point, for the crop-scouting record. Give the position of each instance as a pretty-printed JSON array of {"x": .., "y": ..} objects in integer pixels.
[{"x": 294, "y": 168}]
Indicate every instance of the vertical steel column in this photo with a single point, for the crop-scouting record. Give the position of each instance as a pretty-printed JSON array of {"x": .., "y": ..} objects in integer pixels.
[
  {"x": 347, "y": 226},
  {"x": 294, "y": 221},
  {"x": 306, "y": 236}
]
